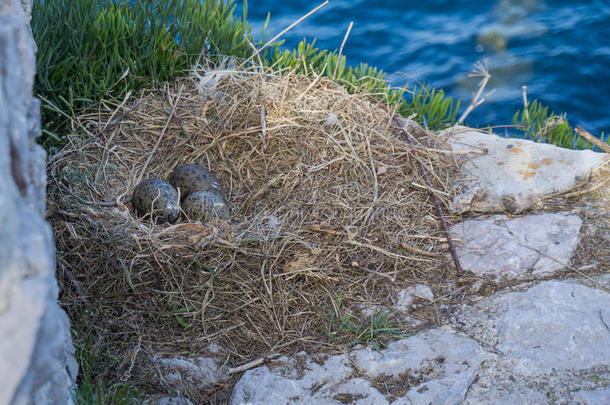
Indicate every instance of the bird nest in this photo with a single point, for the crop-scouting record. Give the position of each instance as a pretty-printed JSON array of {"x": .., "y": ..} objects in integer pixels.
[{"x": 330, "y": 216}]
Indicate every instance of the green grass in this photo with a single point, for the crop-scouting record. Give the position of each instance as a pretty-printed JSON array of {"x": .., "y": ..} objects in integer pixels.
[
  {"x": 374, "y": 330},
  {"x": 96, "y": 360}
]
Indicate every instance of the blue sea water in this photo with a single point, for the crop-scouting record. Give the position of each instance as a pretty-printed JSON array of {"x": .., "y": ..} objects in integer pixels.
[{"x": 559, "y": 49}]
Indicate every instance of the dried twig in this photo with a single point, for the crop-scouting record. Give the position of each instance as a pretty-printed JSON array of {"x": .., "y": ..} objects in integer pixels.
[
  {"x": 253, "y": 363},
  {"x": 291, "y": 26},
  {"x": 169, "y": 118},
  {"x": 349, "y": 29},
  {"x": 591, "y": 138},
  {"x": 437, "y": 203},
  {"x": 480, "y": 70}
]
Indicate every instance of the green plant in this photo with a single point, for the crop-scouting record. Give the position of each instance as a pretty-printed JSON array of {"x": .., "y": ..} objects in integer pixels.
[
  {"x": 539, "y": 125},
  {"x": 95, "y": 359},
  {"x": 92, "y": 49},
  {"x": 374, "y": 330},
  {"x": 433, "y": 109}
]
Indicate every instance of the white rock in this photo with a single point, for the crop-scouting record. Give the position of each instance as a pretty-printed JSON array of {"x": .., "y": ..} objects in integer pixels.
[
  {"x": 552, "y": 342},
  {"x": 199, "y": 372},
  {"x": 404, "y": 298},
  {"x": 437, "y": 364},
  {"x": 424, "y": 292},
  {"x": 512, "y": 175},
  {"x": 533, "y": 245}
]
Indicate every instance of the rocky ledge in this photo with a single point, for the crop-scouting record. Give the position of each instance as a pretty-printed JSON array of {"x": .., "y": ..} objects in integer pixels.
[{"x": 538, "y": 340}]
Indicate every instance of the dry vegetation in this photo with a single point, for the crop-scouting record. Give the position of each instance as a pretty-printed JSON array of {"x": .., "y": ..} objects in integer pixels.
[{"x": 329, "y": 209}]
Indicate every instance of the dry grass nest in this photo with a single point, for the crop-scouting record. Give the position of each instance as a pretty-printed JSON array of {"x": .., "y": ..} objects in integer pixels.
[{"x": 329, "y": 213}]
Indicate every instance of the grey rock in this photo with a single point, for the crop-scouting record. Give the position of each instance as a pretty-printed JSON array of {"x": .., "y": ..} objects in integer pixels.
[
  {"x": 297, "y": 380},
  {"x": 196, "y": 373},
  {"x": 404, "y": 298},
  {"x": 503, "y": 247},
  {"x": 36, "y": 354},
  {"x": 594, "y": 397},
  {"x": 549, "y": 341},
  {"x": 435, "y": 366},
  {"x": 424, "y": 292},
  {"x": 513, "y": 175}
]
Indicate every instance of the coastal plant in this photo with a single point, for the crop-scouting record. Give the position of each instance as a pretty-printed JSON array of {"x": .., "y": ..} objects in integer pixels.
[
  {"x": 94, "y": 49},
  {"x": 538, "y": 124},
  {"x": 432, "y": 108}
]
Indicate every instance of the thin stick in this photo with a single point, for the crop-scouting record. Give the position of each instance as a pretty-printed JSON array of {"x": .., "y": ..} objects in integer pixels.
[
  {"x": 75, "y": 283},
  {"x": 591, "y": 138},
  {"x": 349, "y": 29},
  {"x": 272, "y": 40},
  {"x": 437, "y": 202},
  {"x": 588, "y": 190},
  {"x": 264, "y": 127},
  {"x": 525, "y": 111},
  {"x": 87, "y": 202},
  {"x": 252, "y": 363},
  {"x": 152, "y": 152},
  {"x": 480, "y": 69},
  {"x": 400, "y": 123}
]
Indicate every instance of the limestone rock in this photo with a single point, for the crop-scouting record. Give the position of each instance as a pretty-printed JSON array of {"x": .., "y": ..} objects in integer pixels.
[
  {"x": 36, "y": 354},
  {"x": 503, "y": 247},
  {"x": 404, "y": 298},
  {"x": 432, "y": 366},
  {"x": 196, "y": 373},
  {"x": 550, "y": 344},
  {"x": 512, "y": 175},
  {"x": 545, "y": 345}
]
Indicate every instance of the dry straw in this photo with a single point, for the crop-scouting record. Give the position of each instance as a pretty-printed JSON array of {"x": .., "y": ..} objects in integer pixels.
[{"x": 330, "y": 211}]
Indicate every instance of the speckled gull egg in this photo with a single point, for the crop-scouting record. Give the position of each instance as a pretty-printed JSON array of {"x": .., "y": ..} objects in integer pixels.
[
  {"x": 205, "y": 206},
  {"x": 157, "y": 196},
  {"x": 192, "y": 178}
]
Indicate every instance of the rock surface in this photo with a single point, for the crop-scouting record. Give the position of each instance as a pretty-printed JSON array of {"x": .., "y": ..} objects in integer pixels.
[
  {"x": 36, "y": 354},
  {"x": 420, "y": 369},
  {"x": 512, "y": 175},
  {"x": 550, "y": 345},
  {"x": 545, "y": 345},
  {"x": 196, "y": 373},
  {"x": 503, "y": 247}
]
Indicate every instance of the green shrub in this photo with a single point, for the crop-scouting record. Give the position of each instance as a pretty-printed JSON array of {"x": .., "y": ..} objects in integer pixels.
[
  {"x": 94, "y": 49},
  {"x": 433, "y": 109},
  {"x": 91, "y": 49},
  {"x": 536, "y": 123}
]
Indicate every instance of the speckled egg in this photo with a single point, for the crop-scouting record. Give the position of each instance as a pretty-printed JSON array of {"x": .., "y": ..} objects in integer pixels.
[
  {"x": 157, "y": 196},
  {"x": 205, "y": 206},
  {"x": 192, "y": 178}
]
